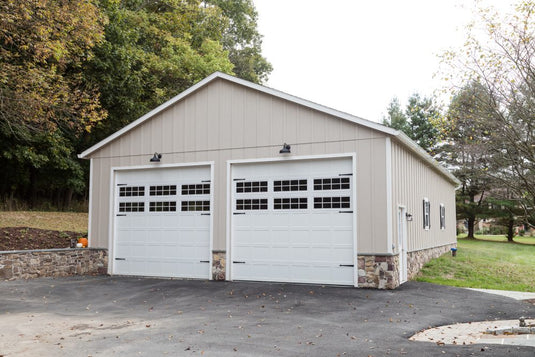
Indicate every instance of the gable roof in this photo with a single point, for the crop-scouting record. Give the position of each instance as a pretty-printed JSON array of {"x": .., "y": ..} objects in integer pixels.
[{"x": 404, "y": 139}]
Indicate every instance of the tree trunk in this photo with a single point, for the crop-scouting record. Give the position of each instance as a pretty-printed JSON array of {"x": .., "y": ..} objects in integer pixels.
[
  {"x": 68, "y": 199},
  {"x": 33, "y": 187},
  {"x": 58, "y": 201},
  {"x": 510, "y": 230},
  {"x": 11, "y": 200},
  {"x": 471, "y": 224}
]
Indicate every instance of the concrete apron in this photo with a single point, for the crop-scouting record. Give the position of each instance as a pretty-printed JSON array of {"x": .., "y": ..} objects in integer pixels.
[{"x": 478, "y": 332}]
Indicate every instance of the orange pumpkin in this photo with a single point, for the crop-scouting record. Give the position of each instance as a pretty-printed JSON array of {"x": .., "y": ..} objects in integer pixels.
[{"x": 83, "y": 241}]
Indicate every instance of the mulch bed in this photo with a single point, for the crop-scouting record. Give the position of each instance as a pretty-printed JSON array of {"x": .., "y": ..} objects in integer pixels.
[{"x": 23, "y": 238}]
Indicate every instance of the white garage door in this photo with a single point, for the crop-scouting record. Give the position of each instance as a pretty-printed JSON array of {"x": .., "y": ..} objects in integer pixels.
[
  {"x": 162, "y": 222},
  {"x": 293, "y": 222}
]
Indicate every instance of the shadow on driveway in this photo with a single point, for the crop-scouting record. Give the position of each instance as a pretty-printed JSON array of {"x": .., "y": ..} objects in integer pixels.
[{"x": 92, "y": 316}]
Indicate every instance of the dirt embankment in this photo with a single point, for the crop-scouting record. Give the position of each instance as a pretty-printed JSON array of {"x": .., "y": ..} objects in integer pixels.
[{"x": 23, "y": 238}]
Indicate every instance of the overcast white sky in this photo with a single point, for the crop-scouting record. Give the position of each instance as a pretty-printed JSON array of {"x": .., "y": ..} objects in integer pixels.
[{"x": 355, "y": 55}]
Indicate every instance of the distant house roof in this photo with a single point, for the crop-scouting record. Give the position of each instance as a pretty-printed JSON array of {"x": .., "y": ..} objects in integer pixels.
[{"x": 402, "y": 137}]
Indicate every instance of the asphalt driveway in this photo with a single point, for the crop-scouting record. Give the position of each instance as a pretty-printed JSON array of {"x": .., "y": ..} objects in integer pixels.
[{"x": 116, "y": 316}]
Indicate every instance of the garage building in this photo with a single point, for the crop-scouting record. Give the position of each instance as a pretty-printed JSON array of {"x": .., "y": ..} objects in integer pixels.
[{"x": 231, "y": 180}]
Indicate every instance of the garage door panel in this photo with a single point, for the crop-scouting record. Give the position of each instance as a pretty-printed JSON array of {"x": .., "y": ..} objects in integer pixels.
[
  {"x": 305, "y": 230},
  {"x": 156, "y": 234},
  {"x": 295, "y": 272}
]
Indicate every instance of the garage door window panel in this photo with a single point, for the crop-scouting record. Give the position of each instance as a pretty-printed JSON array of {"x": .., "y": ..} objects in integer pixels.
[
  {"x": 162, "y": 206},
  {"x": 131, "y": 191},
  {"x": 196, "y": 189},
  {"x": 125, "y": 207},
  {"x": 195, "y": 206},
  {"x": 251, "y": 204},
  {"x": 163, "y": 190},
  {"x": 251, "y": 186},
  {"x": 292, "y": 203},
  {"x": 332, "y": 202},
  {"x": 290, "y": 185},
  {"x": 332, "y": 183}
]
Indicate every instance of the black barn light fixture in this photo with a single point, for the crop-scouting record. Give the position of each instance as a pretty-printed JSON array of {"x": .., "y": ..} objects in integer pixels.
[
  {"x": 285, "y": 149},
  {"x": 156, "y": 157}
]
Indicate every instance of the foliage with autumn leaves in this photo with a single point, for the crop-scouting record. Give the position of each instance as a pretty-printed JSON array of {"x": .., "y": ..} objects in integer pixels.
[
  {"x": 72, "y": 72},
  {"x": 486, "y": 135}
]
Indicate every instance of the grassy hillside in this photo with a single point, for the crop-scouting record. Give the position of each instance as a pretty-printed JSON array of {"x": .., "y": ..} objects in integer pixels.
[{"x": 57, "y": 221}]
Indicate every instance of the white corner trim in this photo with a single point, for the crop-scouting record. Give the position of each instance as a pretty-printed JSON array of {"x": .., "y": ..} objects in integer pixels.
[
  {"x": 90, "y": 207},
  {"x": 228, "y": 203},
  {"x": 111, "y": 226},
  {"x": 211, "y": 243},
  {"x": 355, "y": 221},
  {"x": 389, "y": 200}
]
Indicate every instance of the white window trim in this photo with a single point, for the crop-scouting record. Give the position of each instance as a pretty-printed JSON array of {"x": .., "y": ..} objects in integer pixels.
[
  {"x": 442, "y": 215},
  {"x": 427, "y": 214}
]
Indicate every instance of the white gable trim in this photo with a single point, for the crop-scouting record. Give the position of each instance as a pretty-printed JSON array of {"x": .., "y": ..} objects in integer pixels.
[{"x": 273, "y": 92}]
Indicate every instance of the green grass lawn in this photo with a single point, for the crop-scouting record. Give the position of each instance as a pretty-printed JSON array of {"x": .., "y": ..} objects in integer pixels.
[
  {"x": 502, "y": 238},
  {"x": 57, "y": 221},
  {"x": 487, "y": 264}
]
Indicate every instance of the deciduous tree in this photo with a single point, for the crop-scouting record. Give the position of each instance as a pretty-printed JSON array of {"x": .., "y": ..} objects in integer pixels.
[
  {"x": 152, "y": 51},
  {"x": 242, "y": 40},
  {"x": 498, "y": 55},
  {"x": 45, "y": 101}
]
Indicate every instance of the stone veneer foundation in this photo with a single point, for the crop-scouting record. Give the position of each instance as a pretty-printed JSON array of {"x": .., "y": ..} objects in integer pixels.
[
  {"x": 374, "y": 271},
  {"x": 378, "y": 271},
  {"x": 27, "y": 264},
  {"x": 382, "y": 271},
  {"x": 219, "y": 261},
  {"x": 417, "y": 259}
]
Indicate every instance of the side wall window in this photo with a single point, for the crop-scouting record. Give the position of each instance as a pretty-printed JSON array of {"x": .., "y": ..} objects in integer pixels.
[
  {"x": 442, "y": 216},
  {"x": 427, "y": 213}
]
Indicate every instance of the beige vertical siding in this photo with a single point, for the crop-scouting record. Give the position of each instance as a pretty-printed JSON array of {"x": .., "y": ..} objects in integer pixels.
[
  {"x": 226, "y": 121},
  {"x": 412, "y": 180}
]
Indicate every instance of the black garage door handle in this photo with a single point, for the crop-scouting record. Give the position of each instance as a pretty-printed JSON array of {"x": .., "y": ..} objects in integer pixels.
[
  {"x": 347, "y": 265},
  {"x": 235, "y": 262}
]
